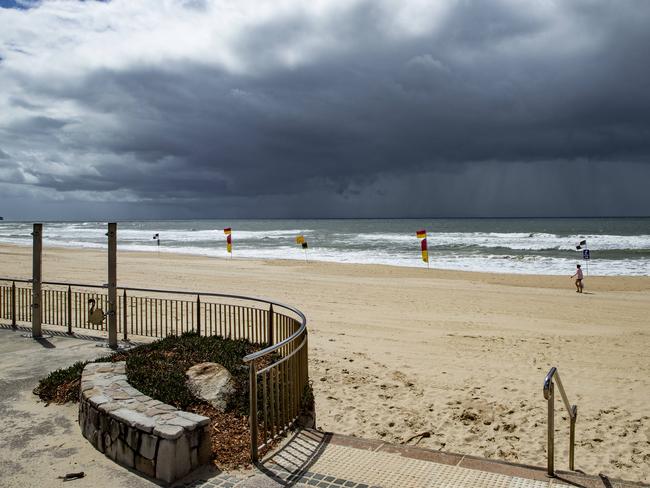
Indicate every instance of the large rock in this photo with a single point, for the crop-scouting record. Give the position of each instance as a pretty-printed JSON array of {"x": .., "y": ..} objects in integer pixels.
[{"x": 211, "y": 382}]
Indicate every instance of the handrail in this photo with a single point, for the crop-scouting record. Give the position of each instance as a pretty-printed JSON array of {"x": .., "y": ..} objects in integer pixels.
[{"x": 549, "y": 395}]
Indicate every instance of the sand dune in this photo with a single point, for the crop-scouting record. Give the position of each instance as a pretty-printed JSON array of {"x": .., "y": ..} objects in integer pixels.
[{"x": 455, "y": 359}]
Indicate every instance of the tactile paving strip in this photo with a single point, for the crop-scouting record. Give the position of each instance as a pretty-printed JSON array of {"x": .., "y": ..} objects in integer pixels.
[
  {"x": 308, "y": 460},
  {"x": 387, "y": 469}
]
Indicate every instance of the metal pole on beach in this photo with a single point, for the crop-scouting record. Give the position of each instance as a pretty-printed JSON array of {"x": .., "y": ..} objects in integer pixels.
[
  {"x": 112, "y": 285},
  {"x": 37, "y": 268},
  {"x": 550, "y": 435}
]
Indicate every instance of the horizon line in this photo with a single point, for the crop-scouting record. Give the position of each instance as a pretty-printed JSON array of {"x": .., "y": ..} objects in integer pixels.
[{"x": 334, "y": 218}]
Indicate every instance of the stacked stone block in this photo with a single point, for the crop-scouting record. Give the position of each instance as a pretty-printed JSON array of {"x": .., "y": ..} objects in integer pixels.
[{"x": 137, "y": 431}]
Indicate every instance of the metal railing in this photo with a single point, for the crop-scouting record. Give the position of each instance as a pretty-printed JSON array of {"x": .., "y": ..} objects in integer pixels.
[
  {"x": 278, "y": 373},
  {"x": 553, "y": 377},
  {"x": 277, "y": 390}
]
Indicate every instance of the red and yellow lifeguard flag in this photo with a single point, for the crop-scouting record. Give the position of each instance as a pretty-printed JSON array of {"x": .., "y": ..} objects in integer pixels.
[
  {"x": 425, "y": 251},
  {"x": 229, "y": 243},
  {"x": 422, "y": 234},
  {"x": 228, "y": 232}
]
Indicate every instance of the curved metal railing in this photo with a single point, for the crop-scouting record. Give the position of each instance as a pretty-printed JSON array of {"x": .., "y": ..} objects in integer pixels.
[
  {"x": 553, "y": 377},
  {"x": 278, "y": 373},
  {"x": 278, "y": 380}
]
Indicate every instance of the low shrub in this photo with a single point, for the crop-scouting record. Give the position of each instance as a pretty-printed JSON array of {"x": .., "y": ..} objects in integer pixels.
[
  {"x": 62, "y": 385},
  {"x": 158, "y": 370}
]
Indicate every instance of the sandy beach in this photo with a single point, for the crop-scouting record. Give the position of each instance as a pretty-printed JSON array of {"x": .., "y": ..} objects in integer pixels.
[{"x": 457, "y": 357}]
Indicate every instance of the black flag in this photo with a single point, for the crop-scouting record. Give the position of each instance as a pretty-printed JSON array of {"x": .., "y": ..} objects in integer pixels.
[
  {"x": 304, "y": 245},
  {"x": 582, "y": 243}
]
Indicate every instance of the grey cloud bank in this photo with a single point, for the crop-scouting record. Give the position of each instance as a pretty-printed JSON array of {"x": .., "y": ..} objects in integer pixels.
[{"x": 333, "y": 109}]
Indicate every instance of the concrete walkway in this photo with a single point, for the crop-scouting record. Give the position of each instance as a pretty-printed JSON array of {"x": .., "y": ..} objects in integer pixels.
[
  {"x": 323, "y": 460},
  {"x": 39, "y": 443}
]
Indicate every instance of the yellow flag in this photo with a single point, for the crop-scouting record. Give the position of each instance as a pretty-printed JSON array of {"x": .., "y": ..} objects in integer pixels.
[{"x": 300, "y": 239}]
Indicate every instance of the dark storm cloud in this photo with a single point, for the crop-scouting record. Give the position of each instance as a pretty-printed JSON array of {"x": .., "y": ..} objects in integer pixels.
[{"x": 490, "y": 108}]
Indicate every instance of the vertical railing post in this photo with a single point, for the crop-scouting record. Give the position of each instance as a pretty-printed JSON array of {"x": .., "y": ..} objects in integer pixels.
[
  {"x": 198, "y": 314},
  {"x": 306, "y": 365},
  {"x": 252, "y": 415},
  {"x": 572, "y": 437},
  {"x": 124, "y": 316},
  {"x": 13, "y": 304},
  {"x": 37, "y": 268},
  {"x": 551, "y": 432},
  {"x": 270, "y": 326},
  {"x": 112, "y": 285},
  {"x": 69, "y": 310}
]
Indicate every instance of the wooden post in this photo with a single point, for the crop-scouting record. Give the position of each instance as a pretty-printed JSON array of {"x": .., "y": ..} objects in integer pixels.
[
  {"x": 37, "y": 268},
  {"x": 112, "y": 285}
]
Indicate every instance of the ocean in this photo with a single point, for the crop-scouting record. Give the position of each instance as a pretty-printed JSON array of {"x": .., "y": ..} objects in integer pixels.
[{"x": 618, "y": 246}]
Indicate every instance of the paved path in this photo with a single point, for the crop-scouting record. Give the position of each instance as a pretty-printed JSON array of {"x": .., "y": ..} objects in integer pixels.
[
  {"x": 38, "y": 444},
  {"x": 316, "y": 459}
]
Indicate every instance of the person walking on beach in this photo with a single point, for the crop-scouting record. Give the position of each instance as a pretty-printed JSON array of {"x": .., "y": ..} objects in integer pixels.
[{"x": 578, "y": 276}]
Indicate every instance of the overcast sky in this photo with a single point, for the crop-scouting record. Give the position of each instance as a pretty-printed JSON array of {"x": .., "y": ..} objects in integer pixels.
[{"x": 324, "y": 108}]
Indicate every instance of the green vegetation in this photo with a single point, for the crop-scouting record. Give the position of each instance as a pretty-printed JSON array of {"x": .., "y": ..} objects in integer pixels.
[
  {"x": 158, "y": 370},
  {"x": 62, "y": 385}
]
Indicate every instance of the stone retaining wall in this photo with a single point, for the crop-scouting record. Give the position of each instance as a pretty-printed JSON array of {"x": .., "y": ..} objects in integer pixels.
[{"x": 136, "y": 430}]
